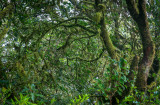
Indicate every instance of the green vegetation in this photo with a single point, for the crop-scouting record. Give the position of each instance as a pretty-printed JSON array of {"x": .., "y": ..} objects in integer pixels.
[{"x": 79, "y": 52}]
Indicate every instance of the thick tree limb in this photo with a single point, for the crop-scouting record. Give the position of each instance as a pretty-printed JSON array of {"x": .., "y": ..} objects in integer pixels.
[
  {"x": 104, "y": 33},
  {"x": 139, "y": 14},
  {"x": 107, "y": 40}
]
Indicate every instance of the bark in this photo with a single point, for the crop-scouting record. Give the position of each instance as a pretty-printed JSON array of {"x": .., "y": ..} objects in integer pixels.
[
  {"x": 104, "y": 33},
  {"x": 139, "y": 14},
  {"x": 107, "y": 40},
  {"x": 111, "y": 49}
]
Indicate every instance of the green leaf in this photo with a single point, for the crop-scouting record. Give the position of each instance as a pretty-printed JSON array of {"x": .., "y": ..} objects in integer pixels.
[
  {"x": 53, "y": 100},
  {"x": 39, "y": 95},
  {"x": 4, "y": 89},
  {"x": 108, "y": 89},
  {"x": 32, "y": 96},
  {"x": 117, "y": 100}
]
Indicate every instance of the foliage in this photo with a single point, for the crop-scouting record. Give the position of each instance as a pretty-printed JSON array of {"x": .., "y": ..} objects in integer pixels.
[
  {"x": 24, "y": 100},
  {"x": 4, "y": 94},
  {"x": 80, "y": 100},
  {"x": 75, "y": 52}
]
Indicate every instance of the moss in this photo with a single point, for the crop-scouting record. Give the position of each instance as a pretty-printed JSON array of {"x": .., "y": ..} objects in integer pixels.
[
  {"x": 97, "y": 17},
  {"x": 101, "y": 7},
  {"x": 6, "y": 11},
  {"x": 136, "y": 7},
  {"x": 3, "y": 33},
  {"x": 108, "y": 42},
  {"x": 20, "y": 69},
  {"x": 152, "y": 85},
  {"x": 36, "y": 56}
]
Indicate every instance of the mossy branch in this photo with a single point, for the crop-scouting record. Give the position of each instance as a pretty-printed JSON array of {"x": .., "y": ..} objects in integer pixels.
[
  {"x": 107, "y": 40},
  {"x": 87, "y": 60},
  {"x": 83, "y": 27}
]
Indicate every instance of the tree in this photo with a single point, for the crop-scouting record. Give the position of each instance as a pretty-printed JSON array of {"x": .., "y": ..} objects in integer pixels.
[{"x": 69, "y": 48}]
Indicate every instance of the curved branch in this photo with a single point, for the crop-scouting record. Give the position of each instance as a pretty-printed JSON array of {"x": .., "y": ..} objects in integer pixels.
[
  {"x": 83, "y": 27},
  {"x": 91, "y": 60},
  {"x": 74, "y": 18},
  {"x": 66, "y": 43}
]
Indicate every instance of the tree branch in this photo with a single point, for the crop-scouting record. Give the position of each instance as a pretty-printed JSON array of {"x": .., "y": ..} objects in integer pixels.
[{"x": 92, "y": 60}]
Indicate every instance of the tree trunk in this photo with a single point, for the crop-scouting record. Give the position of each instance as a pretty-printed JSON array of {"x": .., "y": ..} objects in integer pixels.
[{"x": 139, "y": 14}]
